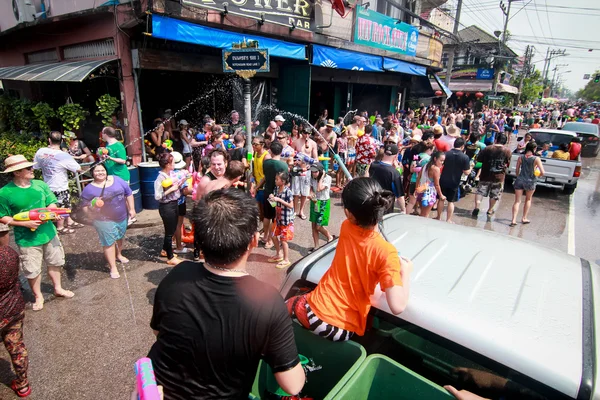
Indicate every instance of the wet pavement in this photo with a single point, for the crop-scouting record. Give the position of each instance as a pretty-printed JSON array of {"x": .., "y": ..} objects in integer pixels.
[{"x": 85, "y": 347}]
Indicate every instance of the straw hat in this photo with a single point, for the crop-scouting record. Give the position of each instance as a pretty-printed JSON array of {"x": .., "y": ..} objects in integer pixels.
[
  {"x": 331, "y": 123},
  {"x": 453, "y": 131},
  {"x": 15, "y": 163},
  {"x": 178, "y": 160},
  {"x": 416, "y": 138}
]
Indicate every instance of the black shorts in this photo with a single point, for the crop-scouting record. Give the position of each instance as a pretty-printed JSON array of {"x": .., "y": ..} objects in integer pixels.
[
  {"x": 452, "y": 194},
  {"x": 181, "y": 209},
  {"x": 268, "y": 211}
]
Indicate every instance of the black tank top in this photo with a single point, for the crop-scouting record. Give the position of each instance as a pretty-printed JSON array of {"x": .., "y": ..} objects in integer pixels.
[{"x": 210, "y": 175}]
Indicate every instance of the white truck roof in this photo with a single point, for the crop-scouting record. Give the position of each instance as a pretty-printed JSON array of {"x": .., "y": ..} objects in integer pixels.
[{"x": 515, "y": 302}]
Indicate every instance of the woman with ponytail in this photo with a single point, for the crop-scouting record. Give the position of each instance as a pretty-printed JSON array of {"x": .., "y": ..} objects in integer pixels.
[
  {"x": 428, "y": 183},
  {"x": 364, "y": 267}
]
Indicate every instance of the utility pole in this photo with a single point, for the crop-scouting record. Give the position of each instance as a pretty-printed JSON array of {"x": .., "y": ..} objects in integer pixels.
[
  {"x": 526, "y": 70},
  {"x": 546, "y": 64},
  {"x": 502, "y": 43},
  {"x": 450, "y": 64}
]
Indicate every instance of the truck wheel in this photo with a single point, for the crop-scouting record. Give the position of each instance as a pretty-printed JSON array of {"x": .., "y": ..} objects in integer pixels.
[{"x": 569, "y": 189}]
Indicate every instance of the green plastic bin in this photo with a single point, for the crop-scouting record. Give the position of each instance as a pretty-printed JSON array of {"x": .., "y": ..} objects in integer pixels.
[
  {"x": 339, "y": 360},
  {"x": 380, "y": 377}
]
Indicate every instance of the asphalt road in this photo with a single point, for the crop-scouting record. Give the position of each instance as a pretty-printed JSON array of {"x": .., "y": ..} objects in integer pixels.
[{"x": 84, "y": 348}]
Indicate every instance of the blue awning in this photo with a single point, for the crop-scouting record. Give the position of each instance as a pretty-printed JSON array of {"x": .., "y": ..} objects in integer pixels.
[
  {"x": 344, "y": 59},
  {"x": 182, "y": 31},
  {"x": 447, "y": 91},
  {"x": 390, "y": 64}
]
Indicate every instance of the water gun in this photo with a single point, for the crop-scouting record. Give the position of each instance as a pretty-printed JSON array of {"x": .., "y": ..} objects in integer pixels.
[
  {"x": 168, "y": 144},
  {"x": 228, "y": 145},
  {"x": 537, "y": 172},
  {"x": 201, "y": 137},
  {"x": 42, "y": 214},
  {"x": 102, "y": 152},
  {"x": 146, "y": 381},
  {"x": 97, "y": 202},
  {"x": 310, "y": 160}
]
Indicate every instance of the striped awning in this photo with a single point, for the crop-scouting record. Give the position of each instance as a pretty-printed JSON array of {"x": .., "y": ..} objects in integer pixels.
[{"x": 67, "y": 71}]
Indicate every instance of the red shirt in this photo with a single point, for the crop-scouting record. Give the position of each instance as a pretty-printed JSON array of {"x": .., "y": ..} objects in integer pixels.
[
  {"x": 575, "y": 150},
  {"x": 365, "y": 149},
  {"x": 442, "y": 145},
  {"x": 596, "y": 121}
]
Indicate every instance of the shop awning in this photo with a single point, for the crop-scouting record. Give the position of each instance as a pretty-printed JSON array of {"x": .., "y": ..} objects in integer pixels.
[
  {"x": 390, "y": 64},
  {"x": 480, "y": 86},
  {"x": 68, "y": 71},
  {"x": 182, "y": 31},
  {"x": 330, "y": 57},
  {"x": 446, "y": 90}
]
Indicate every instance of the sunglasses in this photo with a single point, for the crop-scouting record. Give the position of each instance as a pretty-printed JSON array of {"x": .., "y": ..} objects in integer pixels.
[
  {"x": 29, "y": 168},
  {"x": 281, "y": 137},
  {"x": 257, "y": 144}
]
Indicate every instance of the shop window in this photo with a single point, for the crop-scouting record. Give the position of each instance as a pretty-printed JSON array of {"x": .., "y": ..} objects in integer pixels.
[
  {"x": 41, "y": 56},
  {"x": 97, "y": 48}
]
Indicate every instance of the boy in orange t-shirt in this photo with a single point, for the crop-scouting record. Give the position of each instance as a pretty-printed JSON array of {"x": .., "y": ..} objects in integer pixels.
[{"x": 340, "y": 304}]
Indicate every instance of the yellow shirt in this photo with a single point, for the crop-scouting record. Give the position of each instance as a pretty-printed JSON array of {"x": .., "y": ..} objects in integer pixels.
[
  {"x": 561, "y": 155},
  {"x": 257, "y": 166}
]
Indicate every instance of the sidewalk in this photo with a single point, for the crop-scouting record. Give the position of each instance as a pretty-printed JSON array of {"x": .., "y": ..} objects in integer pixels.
[{"x": 85, "y": 347}]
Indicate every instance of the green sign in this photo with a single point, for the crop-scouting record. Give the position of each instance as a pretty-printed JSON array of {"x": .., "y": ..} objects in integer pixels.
[
  {"x": 377, "y": 30},
  {"x": 491, "y": 97}
]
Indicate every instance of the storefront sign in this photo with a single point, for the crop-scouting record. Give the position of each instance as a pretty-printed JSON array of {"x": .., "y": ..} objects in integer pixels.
[
  {"x": 380, "y": 31},
  {"x": 491, "y": 97},
  {"x": 329, "y": 57},
  {"x": 246, "y": 60},
  {"x": 485, "y": 73},
  {"x": 296, "y": 13}
]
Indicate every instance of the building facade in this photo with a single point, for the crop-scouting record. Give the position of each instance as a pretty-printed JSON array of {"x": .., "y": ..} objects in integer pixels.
[{"x": 156, "y": 55}]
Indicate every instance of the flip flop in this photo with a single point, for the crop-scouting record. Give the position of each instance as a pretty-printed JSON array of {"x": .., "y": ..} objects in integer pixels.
[
  {"x": 269, "y": 246},
  {"x": 37, "y": 307},
  {"x": 115, "y": 275},
  {"x": 525, "y": 222},
  {"x": 20, "y": 392},
  {"x": 163, "y": 253},
  {"x": 122, "y": 262},
  {"x": 512, "y": 224},
  {"x": 332, "y": 238},
  {"x": 275, "y": 259},
  {"x": 65, "y": 294},
  {"x": 283, "y": 264},
  {"x": 302, "y": 216}
]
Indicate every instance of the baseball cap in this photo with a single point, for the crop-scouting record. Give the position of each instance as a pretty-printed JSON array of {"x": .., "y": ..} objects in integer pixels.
[
  {"x": 279, "y": 118},
  {"x": 391, "y": 149},
  {"x": 316, "y": 167},
  {"x": 183, "y": 122}
]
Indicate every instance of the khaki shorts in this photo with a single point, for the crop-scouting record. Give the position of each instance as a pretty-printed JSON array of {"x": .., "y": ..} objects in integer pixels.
[
  {"x": 31, "y": 257},
  {"x": 4, "y": 227}
]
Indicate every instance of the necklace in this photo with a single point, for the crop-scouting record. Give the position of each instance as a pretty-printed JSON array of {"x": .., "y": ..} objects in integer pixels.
[{"x": 225, "y": 269}]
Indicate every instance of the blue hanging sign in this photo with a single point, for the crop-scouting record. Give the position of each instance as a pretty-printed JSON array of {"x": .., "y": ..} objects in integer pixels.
[
  {"x": 485, "y": 73},
  {"x": 329, "y": 57}
]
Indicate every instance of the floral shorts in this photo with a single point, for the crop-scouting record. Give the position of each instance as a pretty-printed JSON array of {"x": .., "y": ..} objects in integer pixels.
[
  {"x": 63, "y": 199},
  {"x": 285, "y": 233}
]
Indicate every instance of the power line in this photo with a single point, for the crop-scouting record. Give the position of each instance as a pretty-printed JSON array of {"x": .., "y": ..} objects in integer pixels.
[
  {"x": 549, "y": 24},
  {"x": 538, "y": 17}
]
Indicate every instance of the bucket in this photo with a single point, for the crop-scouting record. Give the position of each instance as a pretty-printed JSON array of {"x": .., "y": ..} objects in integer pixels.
[
  {"x": 134, "y": 184},
  {"x": 148, "y": 174},
  {"x": 335, "y": 363},
  {"x": 380, "y": 377}
]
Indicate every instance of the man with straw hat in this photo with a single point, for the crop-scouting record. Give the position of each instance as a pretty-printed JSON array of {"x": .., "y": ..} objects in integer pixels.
[{"x": 37, "y": 241}]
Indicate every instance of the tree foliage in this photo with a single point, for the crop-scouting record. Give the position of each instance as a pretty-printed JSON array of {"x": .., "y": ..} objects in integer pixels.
[
  {"x": 591, "y": 91},
  {"x": 532, "y": 86}
]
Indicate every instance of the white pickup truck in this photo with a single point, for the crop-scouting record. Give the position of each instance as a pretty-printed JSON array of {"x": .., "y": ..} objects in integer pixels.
[{"x": 560, "y": 174}]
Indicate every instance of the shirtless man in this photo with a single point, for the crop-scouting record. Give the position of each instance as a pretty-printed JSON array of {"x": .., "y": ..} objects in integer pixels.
[
  {"x": 218, "y": 164},
  {"x": 330, "y": 138},
  {"x": 358, "y": 125},
  {"x": 301, "y": 181},
  {"x": 270, "y": 133},
  {"x": 233, "y": 173}
]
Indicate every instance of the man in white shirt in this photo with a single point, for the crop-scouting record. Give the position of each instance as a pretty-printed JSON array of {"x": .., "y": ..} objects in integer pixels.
[
  {"x": 518, "y": 120},
  {"x": 55, "y": 165}
]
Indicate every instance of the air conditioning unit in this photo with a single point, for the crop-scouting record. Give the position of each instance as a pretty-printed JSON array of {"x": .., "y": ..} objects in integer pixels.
[{"x": 24, "y": 10}]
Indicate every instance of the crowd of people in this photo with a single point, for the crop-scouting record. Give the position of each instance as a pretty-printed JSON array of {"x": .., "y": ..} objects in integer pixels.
[{"x": 412, "y": 161}]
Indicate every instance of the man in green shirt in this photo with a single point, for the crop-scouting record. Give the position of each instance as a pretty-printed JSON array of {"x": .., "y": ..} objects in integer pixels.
[
  {"x": 271, "y": 168},
  {"x": 37, "y": 240},
  {"x": 117, "y": 155}
]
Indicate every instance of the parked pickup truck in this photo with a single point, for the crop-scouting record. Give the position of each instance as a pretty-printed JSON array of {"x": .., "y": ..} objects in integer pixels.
[
  {"x": 493, "y": 314},
  {"x": 560, "y": 174}
]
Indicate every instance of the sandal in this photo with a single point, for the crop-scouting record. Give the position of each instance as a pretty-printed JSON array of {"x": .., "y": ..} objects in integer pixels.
[
  {"x": 23, "y": 392},
  {"x": 65, "y": 231},
  {"x": 174, "y": 261},
  {"x": 275, "y": 259},
  {"x": 312, "y": 249},
  {"x": 302, "y": 216},
  {"x": 283, "y": 264},
  {"x": 512, "y": 224},
  {"x": 525, "y": 222},
  {"x": 115, "y": 275},
  {"x": 65, "y": 294},
  {"x": 38, "y": 306},
  {"x": 76, "y": 225},
  {"x": 332, "y": 239}
]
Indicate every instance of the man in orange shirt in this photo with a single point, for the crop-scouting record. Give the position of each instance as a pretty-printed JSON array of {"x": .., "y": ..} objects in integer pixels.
[{"x": 340, "y": 304}]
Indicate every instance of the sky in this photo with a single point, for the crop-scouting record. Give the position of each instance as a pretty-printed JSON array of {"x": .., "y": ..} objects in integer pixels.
[{"x": 570, "y": 25}]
